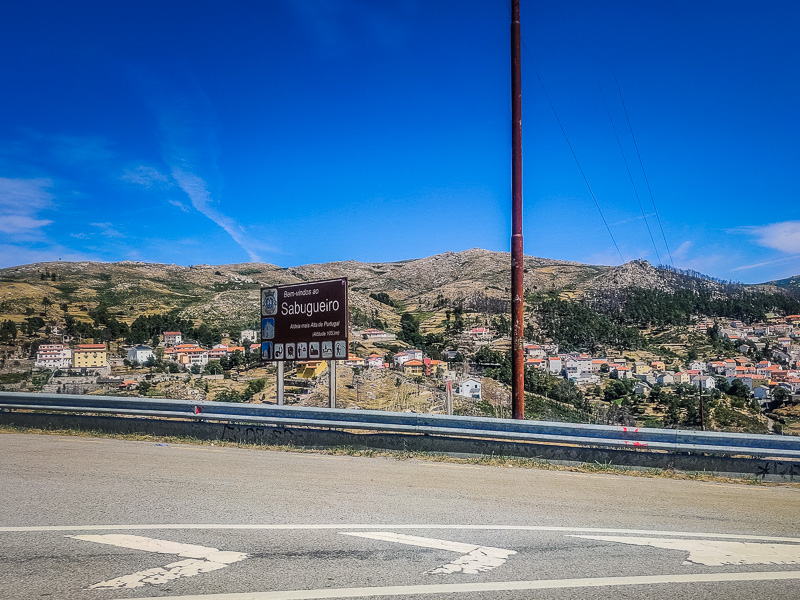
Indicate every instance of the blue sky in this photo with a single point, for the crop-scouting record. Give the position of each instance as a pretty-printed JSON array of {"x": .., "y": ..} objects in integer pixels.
[{"x": 292, "y": 132}]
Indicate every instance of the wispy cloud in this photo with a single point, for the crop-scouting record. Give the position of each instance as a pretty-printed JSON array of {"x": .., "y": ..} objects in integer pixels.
[
  {"x": 20, "y": 202},
  {"x": 189, "y": 148},
  {"x": 15, "y": 224},
  {"x": 180, "y": 205},
  {"x": 107, "y": 230},
  {"x": 147, "y": 177},
  {"x": 197, "y": 190},
  {"x": 682, "y": 251},
  {"x": 768, "y": 263},
  {"x": 784, "y": 236}
]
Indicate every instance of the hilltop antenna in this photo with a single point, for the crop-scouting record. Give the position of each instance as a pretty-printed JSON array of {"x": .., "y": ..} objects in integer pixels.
[{"x": 517, "y": 254}]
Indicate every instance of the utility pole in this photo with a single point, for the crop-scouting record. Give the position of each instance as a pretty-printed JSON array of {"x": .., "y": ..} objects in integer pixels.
[{"x": 517, "y": 255}]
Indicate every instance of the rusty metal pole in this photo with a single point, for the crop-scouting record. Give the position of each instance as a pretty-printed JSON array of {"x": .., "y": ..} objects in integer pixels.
[{"x": 517, "y": 281}]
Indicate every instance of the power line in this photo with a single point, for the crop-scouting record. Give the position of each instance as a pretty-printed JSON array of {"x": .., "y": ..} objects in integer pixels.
[
  {"x": 577, "y": 162},
  {"x": 628, "y": 169},
  {"x": 569, "y": 144},
  {"x": 641, "y": 164}
]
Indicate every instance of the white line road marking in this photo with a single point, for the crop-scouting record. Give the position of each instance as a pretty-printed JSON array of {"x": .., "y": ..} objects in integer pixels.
[
  {"x": 200, "y": 559},
  {"x": 495, "y": 586},
  {"x": 322, "y": 526},
  {"x": 476, "y": 559},
  {"x": 715, "y": 553}
]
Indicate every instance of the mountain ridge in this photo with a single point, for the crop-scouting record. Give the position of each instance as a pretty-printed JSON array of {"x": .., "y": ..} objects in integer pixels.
[{"x": 228, "y": 293}]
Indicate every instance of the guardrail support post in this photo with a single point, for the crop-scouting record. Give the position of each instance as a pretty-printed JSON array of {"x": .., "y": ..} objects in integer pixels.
[
  {"x": 332, "y": 384},
  {"x": 280, "y": 383},
  {"x": 449, "y": 400}
]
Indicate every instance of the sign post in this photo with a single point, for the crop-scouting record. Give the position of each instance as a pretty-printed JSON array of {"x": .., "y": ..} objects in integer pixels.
[
  {"x": 305, "y": 322},
  {"x": 332, "y": 386},
  {"x": 279, "y": 391}
]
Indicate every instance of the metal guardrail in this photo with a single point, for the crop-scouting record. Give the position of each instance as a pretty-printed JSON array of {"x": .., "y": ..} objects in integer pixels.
[{"x": 670, "y": 440}]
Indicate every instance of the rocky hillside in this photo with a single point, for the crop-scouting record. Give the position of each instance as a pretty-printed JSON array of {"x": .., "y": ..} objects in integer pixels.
[
  {"x": 226, "y": 295},
  {"x": 792, "y": 283}
]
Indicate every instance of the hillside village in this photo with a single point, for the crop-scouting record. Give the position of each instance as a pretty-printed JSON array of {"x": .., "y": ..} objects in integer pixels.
[{"x": 712, "y": 372}]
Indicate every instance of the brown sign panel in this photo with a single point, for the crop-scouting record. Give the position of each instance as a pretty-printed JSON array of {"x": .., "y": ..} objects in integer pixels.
[{"x": 305, "y": 321}]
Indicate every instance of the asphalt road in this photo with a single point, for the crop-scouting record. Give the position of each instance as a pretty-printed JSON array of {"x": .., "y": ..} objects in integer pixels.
[{"x": 101, "y": 519}]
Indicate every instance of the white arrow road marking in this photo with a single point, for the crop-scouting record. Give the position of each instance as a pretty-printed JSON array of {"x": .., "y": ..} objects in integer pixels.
[
  {"x": 200, "y": 559},
  {"x": 476, "y": 559},
  {"x": 716, "y": 553},
  {"x": 504, "y": 586}
]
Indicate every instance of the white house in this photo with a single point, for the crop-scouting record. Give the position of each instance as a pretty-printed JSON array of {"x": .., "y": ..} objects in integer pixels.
[
  {"x": 704, "y": 382},
  {"x": 554, "y": 364},
  {"x": 534, "y": 351},
  {"x": 53, "y": 356},
  {"x": 172, "y": 338},
  {"x": 415, "y": 354},
  {"x": 578, "y": 369},
  {"x": 481, "y": 334},
  {"x": 248, "y": 335},
  {"x": 190, "y": 357},
  {"x": 622, "y": 372},
  {"x": 377, "y": 334},
  {"x": 471, "y": 388},
  {"x": 354, "y": 361},
  {"x": 375, "y": 361},
  {"x": 140, "y": 354},
  {"x": 402, "y": 358}
]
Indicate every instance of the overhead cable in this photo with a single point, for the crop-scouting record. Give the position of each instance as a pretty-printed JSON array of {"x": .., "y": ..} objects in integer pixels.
[
  {"x": 577, "y": 162},
  {"x": 630, "y": 175},
  {"x": 641, "y": 164}
]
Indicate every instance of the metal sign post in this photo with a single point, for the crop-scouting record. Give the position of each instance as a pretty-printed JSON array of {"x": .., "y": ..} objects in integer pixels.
[
  {"x": 332, "y": 385},
  {"x": 280, "y": 383}
]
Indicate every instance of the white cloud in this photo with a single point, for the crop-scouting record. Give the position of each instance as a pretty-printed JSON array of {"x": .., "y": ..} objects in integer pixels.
[
  {"x": 767, "y": 263},
  {"x": 197, "y": 190},
  {"x": 190, "y": 150},
  {"x": 107, "y": 230},
  {"x": 682, "y": 251},
  {"x": 20, "y": 202},
  {"x": 24, "y": 195},
  {"x": 784, "y": 236},
  {"x": 147, "y": 177},
  {"x": 21, "y": 224},
  {"x": 180, "y": 205}
]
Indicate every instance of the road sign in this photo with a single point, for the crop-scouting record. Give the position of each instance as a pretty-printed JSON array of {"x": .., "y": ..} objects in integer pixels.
[{"x": 305, "y": 321}]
